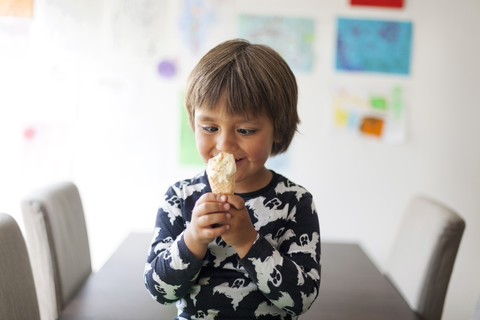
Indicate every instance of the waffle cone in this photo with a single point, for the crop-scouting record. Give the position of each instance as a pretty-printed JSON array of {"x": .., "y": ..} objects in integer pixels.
[{"x": 222, "y": 186}]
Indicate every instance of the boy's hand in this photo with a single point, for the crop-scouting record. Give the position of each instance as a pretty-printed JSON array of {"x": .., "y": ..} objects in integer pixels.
[
  {"x": 210, "y": 219},
  {"x": 241, "y": 234}
]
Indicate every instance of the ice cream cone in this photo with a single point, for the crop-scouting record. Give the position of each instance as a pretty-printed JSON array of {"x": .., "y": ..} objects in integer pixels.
[
  {"x": 221, "y": 173},
  {"x": 222, "y": 187}
]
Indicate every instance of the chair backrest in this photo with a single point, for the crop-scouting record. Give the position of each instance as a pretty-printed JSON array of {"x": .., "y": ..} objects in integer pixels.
[
  {"x": 18, "y": 299},
  {"x": 476, "y": 313},
  {"x": 57, "y": 239},
  {"x": 422, "y": 257}
]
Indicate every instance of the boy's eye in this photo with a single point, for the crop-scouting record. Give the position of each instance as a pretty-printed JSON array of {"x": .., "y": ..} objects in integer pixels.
[
  {"x": 209, "y": 129},
  {"x": 246, "y": 132}
]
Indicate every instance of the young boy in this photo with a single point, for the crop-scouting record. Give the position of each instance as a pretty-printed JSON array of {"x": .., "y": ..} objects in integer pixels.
[{"x": 254, "y": 254}]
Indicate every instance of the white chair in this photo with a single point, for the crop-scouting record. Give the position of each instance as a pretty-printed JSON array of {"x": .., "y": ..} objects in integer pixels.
[
  {"x": 423, "y": 255},
  {"x": 57, "y": 239},
  {"x": 18, "y": 299},
  {"x": 476, "y": 313}
]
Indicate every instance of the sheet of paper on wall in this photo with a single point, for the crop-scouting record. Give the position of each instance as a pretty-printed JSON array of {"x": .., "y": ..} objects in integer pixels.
[
  {"x": 188, "y": 155},
  {"x": 378, "y": 3},
  {"x": 195, "y": 21},
  {"x": 373, "y": 46},
  {"x": 16, "y": 8},
  {"x": 138, "y": 29},
  {"x": 291, "y": 37},
  {"x": 370, "y": 112}
]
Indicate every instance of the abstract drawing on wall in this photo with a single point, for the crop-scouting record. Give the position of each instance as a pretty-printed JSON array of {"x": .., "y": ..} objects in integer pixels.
[
  {"x": 364, "y": 112},
  {"x": 291, "y": 37},
  {"x": 373, "y": 46},
  {"x": 196, "y": 19},
  {"x": 129, "y": 19},
  {"x": 378, "y": 3},
  {"x": 167, "y": 69},
  {"x": 16, "y": 8},
  {"x": 188, "y": 155}
]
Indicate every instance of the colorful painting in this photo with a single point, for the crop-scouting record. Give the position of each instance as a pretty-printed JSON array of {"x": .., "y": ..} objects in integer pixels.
[
  {"x": 291, "y": 37},
  {"x": 378, "y": 3},
  {"x": 195, "y": 22},
  {"x": 375, "y": 113},
  {"x": 373, "y": 46}
]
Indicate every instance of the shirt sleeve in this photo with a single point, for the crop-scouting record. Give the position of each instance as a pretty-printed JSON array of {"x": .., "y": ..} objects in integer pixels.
[
  {"x": 288, "y": 271},
  {"x": 171, "y": 268}
]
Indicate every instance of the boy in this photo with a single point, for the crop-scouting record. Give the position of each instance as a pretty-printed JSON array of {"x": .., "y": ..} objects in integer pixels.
[{"x": 254, "y": 254}]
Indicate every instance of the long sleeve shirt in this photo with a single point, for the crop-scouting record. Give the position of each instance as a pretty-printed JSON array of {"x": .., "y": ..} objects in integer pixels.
[{"x": 278, "y": 278}]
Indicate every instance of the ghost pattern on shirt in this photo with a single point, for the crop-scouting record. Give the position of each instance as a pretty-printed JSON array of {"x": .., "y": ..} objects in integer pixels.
[{"x": 277, "y": 279}]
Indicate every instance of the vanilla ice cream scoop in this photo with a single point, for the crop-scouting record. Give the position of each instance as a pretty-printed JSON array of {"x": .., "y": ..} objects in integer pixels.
[{"x": 221, "y": 171}]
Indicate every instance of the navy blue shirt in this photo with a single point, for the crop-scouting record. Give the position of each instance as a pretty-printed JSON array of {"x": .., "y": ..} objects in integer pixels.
[{"x": 278, "y": 278}]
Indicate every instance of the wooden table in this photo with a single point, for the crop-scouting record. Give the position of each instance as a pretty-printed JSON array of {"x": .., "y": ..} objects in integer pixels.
[{"x": 352, "y": 288}]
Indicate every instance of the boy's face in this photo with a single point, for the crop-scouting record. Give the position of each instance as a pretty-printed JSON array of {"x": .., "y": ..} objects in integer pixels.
[{"x": 248, "y": 139}]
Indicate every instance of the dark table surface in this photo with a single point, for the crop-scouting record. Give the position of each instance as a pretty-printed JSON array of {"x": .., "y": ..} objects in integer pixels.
[{"x": 352, "y": 288}]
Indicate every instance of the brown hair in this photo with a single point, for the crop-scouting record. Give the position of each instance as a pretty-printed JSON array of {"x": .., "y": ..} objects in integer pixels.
[{"x": 253, "y": 79}]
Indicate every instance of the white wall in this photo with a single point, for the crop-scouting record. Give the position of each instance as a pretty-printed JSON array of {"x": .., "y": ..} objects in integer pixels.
[{"x": 82, "y": 74}]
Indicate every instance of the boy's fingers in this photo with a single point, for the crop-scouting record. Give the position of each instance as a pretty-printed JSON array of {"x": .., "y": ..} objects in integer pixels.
[
  {"x": 210, "y": 202},
  {"x": 212, "y": 197},
  {"x": 236, "y": 201},
  {"x": 208, "y": 208},
  {"x": 209, "y": 197},
  {"x": 215, "y": 218}
]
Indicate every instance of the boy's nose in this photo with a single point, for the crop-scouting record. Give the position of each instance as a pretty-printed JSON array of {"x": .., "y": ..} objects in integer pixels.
[{"x": 226, "y": 142}]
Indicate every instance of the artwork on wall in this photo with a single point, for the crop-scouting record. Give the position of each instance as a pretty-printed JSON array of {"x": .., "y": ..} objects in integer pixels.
[
  {"x": 373, "y": 46},
  {"x": 378, "y": 3},
  {"x": 291, "y": 37},
  {"x": 365, "y": 112},
  {"x": 188, "y": 154},
  {"x": 16, "y": 8},
  {"x": 128, "y": 19},
  {"x": 196, "y": 18},
  {"x": 167, "y": 69}
]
